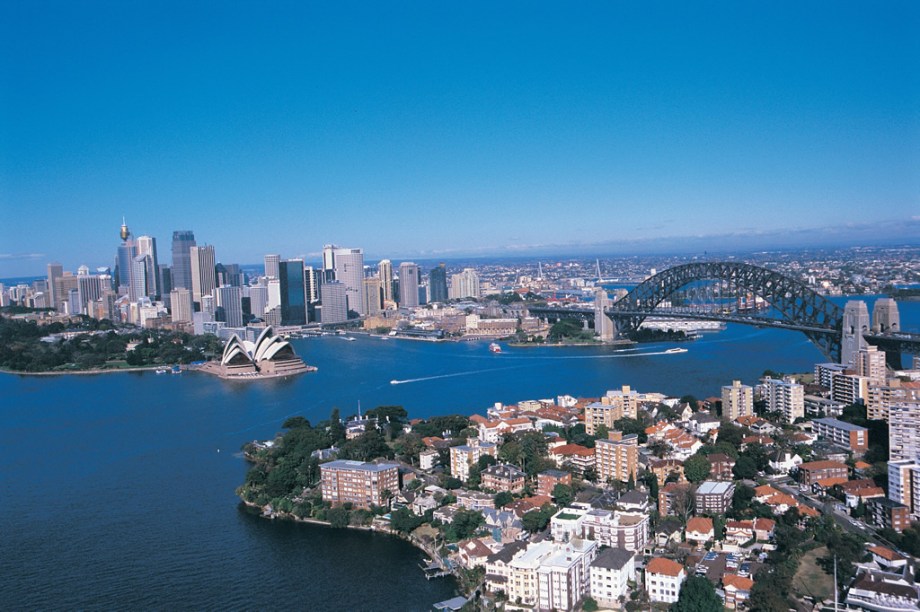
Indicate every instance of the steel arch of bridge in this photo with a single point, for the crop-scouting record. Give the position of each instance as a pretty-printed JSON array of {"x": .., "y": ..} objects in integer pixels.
[{"x": 818, "y": 318}]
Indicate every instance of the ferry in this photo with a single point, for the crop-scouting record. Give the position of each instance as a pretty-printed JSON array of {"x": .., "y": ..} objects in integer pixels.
[
  {"x": 495, "y": 348},
  {"x": 349, "y": 338},
  {"x": 394, "y": 382},
  {"x": 676, "y": 350},
  {"x": 162, "y": 370}
]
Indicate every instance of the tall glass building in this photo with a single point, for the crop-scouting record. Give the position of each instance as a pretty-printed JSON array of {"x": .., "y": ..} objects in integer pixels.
[
  {"x": 182, "y": 242},
  {"x": 293, "y": 292}
]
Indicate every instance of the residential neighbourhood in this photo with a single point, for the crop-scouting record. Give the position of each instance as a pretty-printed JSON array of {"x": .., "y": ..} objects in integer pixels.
[{"x": 618, "y": 501}]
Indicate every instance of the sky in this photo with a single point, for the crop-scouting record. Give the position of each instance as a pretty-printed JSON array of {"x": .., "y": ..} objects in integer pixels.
[{"x": 440, "y": 129}]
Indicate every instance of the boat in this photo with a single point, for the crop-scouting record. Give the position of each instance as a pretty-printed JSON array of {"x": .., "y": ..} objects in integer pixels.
[
  {"x": 495, "y": 348},
  {"x": 394, "y": 382},
  {"x": 176, "y": 369},
  {"x": 162, "y": 370},
  {"x": 349, "y": 338},
  {"x": 676, "y": 350}
]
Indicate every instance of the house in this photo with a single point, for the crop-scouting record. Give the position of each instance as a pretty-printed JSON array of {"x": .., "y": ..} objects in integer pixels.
[
  {"x": 503, "y": 478},
  {"x": 764, "y": 528},
  {"x": 504, "y": 525},
  {"x": 702, "y": 423},
  {"x": 737, "y": 589},
  {"x": 739, "y": 532},
  {"x": 493, "y": 431},
  {"x": 668, "y": 531},
  {"x": 756, "y": 424},
  {"x": 764, "y": 492},
  {"x": 474, "y": 500},
  {"x": 700, "y": 530},
  {"x": 633, "y": 501},
  {"x": 422, "y": 504},
  {"x": 663, "y": 579},
  {"x": 762, "y": 440},
  {"x": 473, "y": 553},
  {"x": 887, "y": 559},
  {"x": 783, "y": 462},
  {"x": 610, "y": 574}
]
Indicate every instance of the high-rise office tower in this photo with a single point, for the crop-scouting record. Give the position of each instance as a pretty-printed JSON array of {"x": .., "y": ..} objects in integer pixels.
[
  {"x": 408, "y": 284},
  {"x": 328, "y": 271},
  {"x": 464, "y": 285},
  {"x": 311, "y": 282},
  {"x": 737, "y": 400},
  {"x": 373, "y": 296},
  {"x": 165, "y": 280},
  {"x": 55, "y": 271},
  {"x": 258, "y": 300},
  {"x": 147, "y": 245},
  {"x": 204, "y": 271},
  {"x": 293, "y": 292},
  {"x": 181, "y": 306},
  {"x": 271, "y": 265},
  {"x": 437, "y": 284},
  {"x": 855, "y": 324},
  {"x": 385, "y": 273},
  {"x": 349, "y": 270},
  {"x": 230, "y": 305},
  {"x": 182, "y": 243},
  {"x": 89, "y": 288},
  {"x": 335, "y": 303},
  {"x": 124, "y": 258},
  {"x": 138, "y": 283}
]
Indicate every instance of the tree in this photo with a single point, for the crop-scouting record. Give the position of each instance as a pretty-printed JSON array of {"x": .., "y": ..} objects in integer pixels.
[
  {"x": 696, "y": 468},
  {"x": 745, "y": 468},
  {"x": 697, "y": 595},
  {"x": 404, "y": 521},
  {"x": 589, "y": 605},
  {"x": 338, "y": 517},
  {"x": 563, "y": 494},
  {"x": 537, "y": 520},
  {"x": 503, "y": 499}
]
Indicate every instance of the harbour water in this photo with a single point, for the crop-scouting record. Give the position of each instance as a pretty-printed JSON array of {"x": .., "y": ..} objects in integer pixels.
[{"x": 118, "y": 489}]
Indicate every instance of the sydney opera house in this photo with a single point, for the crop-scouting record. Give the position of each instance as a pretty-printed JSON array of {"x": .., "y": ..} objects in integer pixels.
[{"x": 270, "y": 356}]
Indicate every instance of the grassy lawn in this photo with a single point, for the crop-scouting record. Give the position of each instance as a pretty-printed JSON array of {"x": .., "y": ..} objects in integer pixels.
[{"x": 811, "y": 580}]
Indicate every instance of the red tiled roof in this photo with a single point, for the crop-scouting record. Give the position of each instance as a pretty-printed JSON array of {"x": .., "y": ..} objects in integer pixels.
[
  {"x": 659, "y": 565},
  {"x": 573, "y": 449},
  {"x": 699, "y": 524}
]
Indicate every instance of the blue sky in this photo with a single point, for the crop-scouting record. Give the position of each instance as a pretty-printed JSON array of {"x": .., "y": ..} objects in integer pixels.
[{"x": 435, "y": 129}]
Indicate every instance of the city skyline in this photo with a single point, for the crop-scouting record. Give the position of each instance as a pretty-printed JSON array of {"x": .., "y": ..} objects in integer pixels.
[{"x": 595, "y": 130}]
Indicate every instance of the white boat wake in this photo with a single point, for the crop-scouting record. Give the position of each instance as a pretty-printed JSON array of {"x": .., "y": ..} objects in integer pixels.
[{"x": 671, "y": 351}]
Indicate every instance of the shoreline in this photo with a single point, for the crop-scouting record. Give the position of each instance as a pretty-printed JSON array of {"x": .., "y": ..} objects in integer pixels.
[
  {"x": 289, "y": 516},
  {"x": 85, "y": 372}
]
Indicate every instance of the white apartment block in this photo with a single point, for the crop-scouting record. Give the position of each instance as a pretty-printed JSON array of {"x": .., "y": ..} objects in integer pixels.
[
  {"x": 465, "y": 455},
  {"x": 563, "y": 578},
  {"x": 614, "y": 406},
  {"x": 849, "y": 388},
  {"x": 611, "y": 572},
  {"x": 904, "y": 484},
  {"x": 904, "y": 431},
  {"x": 663, "y": 579},
  {"x": 786, "y": 397},
  {"x": 870, "y": 362}
]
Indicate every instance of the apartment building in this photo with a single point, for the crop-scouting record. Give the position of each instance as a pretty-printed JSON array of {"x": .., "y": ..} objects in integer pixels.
[
  {"x": 465, "y": 455},
  {"x": 663, "y": 579},
  {"x": 610, "y": 574},
  {"x": 617, "y": 458},
  {"x": 361, "y": 484},
  {"x": 841, "y": 433}
]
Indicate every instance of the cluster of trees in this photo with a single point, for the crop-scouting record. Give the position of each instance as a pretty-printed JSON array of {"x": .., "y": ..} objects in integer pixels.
[
  {"x": 21, "y": 348},
  {"x": 569, "y": 330},
  {"x": 908, "y": 540},
  {"x": 657, "y": 335}
]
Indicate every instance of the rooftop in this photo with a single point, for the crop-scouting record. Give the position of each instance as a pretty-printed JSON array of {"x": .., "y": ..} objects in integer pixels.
[
  {"x": 711, "y": 487},
  {"x": 612, "y": 558},
  {"x": 347, "y": 464},
  {"x": 838, "y": 424}
]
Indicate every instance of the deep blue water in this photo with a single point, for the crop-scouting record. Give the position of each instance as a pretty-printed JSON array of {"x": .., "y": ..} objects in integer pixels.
[{"x": 114, "y": 494}]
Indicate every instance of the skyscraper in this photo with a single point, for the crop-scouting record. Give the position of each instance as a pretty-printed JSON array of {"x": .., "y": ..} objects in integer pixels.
[
  {"x": 373, "y": 296},
  {"x": 147, "y": 246},
  {"x": 385, "y": 272},
  {"x": 55, "y": 271},
  {"x": 328, "y": 271},
  {"x": 230, "y": 305},
  {"x": 137, "y": 289},
  {"x": 465, "y": 284},
  {"x": 182, "y": 242},
  {"x": 204, "y": 271},
  {"x": 271, "y": 265},
  {"x": 408, "y": 284},
  {"x": 311, "y": 282},
  {"x": 437, "y": 284},
  {"x": 335, "y": 303},
  {"x": 349, "y": 270},
  {"x": 124, "y": 258},
  {"x": 293, "y": 292},
  {"x": 180, "y": 301}
]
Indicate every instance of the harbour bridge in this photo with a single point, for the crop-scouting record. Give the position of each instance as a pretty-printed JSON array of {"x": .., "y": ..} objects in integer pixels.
[{"x": 737, "y": 292}]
